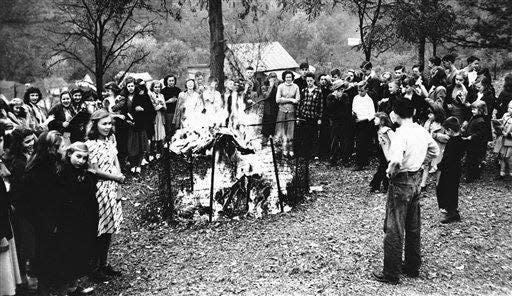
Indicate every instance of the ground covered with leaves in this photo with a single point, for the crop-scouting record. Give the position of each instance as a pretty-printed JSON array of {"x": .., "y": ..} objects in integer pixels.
[{"x": 328, "y": 245}]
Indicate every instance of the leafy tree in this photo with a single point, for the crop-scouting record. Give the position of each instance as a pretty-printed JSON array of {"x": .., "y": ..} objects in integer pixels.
[
  {"x": 485, "y": 24},
  {"x": 417, "y": 21}
]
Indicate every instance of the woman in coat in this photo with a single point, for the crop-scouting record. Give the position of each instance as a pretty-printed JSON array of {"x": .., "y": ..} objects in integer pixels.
[
  {"x": 38, "y": 121},
  {"x": 21, "y": 149},
  {"x": 62, "y": 113},
  {"x": 9, "y": 271},
  {"x": 42, "y": 210},
  {"x": 270, "y": 107},
  {"x": 141, "y": 110}
]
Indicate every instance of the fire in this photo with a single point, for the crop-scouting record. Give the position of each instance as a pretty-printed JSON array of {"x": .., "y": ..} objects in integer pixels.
[{"x": 244, "y": 176}]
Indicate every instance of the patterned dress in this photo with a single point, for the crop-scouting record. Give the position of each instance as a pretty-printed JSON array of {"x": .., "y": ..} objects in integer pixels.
[
  {"x": 159, "y": 105},
  {"x": 103, "y": 153}
]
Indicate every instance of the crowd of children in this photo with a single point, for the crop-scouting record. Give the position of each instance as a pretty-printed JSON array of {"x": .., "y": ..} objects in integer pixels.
[{"x": 77, "y": 152}]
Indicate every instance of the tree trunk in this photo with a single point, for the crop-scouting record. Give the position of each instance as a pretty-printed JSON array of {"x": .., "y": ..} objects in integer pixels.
[
  {"x": 99, "y": 80},
  {"x": 421, "y": 51},
  {"x": 98, "y": 69},
  {"x": 217, "y": 42},
  {"x": 434, "y": 48},
  {"x": 368, "y": 53}
]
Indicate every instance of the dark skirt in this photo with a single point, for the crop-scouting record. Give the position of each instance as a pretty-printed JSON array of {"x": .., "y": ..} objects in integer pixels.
[
  {"x": 137, "y": 142},
  {"x": 169, "y": 127},
  {"x": 24, "y": 234}
]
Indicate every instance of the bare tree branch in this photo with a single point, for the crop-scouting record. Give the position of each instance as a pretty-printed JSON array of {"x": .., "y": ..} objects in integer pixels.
[{"x": 126, "y": 19}]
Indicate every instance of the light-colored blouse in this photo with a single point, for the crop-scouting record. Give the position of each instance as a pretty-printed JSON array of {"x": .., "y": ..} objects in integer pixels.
[{"x": 287, "y": 91}]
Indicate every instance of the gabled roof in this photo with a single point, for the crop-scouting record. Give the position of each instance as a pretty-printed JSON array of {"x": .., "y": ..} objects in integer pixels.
[{"x": 262, "y": 56}]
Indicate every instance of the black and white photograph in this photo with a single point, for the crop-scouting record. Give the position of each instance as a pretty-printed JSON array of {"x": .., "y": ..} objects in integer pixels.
[{"x": 255, "y": 147}]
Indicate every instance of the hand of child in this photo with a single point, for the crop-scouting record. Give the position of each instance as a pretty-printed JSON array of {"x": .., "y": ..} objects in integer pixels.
[
  {"x": 139, "y": 109},
  {"x": 49, "y": 119},
  {"x": 120, "y": 178},
  {"x": 4, "y": 245},
  {"x": 65, "y": 124}
]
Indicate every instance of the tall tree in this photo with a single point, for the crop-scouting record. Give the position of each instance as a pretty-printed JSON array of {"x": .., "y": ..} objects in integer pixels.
[
  {"x": 217, "y": 41},
  {"x": 374, "y": 33},
  {"x": 419, "y": 21},
  {"x": 96, "y": 33}
]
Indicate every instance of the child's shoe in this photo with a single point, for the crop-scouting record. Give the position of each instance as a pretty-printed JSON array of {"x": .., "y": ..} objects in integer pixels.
[
  {"x": 451, "y": 217},
  {"x": 144, "y": 162},
  {"x": 374, "y": 189},
  {"x": 151, "y": 158}
]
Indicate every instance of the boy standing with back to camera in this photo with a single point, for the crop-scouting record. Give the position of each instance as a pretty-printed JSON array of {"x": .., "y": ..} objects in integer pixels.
[{"x": 411, "y": 147}]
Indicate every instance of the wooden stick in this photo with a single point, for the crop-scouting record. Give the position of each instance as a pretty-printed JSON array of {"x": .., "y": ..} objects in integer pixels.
[
  {"x": 248, "y": 196},
  {"x": 210, "y": 216},
  {"x": 279, "y": 194},
  {"x": 191, "y": 170},
  {"x": 255, "y": 103},
  {"x": 272, "y": 122}
]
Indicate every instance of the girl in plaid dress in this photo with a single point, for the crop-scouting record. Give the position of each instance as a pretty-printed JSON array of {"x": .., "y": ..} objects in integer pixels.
[{"x": 103, "y": 160}]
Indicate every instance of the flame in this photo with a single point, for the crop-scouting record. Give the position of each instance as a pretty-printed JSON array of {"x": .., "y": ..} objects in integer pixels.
[{"x": 200, "y": 130}]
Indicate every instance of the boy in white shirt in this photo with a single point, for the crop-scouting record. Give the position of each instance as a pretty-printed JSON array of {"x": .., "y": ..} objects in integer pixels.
[
  {"x": 363, "y": 110},
  {"x": 411, "y": 146}
]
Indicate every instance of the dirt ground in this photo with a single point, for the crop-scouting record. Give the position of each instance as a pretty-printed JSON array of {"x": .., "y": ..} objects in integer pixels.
[{"x": 329, "y": 245}]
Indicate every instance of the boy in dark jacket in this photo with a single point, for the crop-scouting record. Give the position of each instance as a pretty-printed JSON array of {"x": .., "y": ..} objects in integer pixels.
[{"x": 447, "y": 190}]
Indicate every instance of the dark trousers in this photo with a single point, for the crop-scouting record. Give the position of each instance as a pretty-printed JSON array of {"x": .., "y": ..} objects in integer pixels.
[
  {"x": 380, "y": 176},
  {"x": 102, "y": 246},
  {"x": 402, "y": 223},
  {"x": 447, "y": 190},
  {"x": 475, "y": 154},
  {"x": 324, "y": 139},
  {"x": 363, "y": 142},
  {"x": 306, "y": 138},
  {"x": 342, "y": 141}
]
